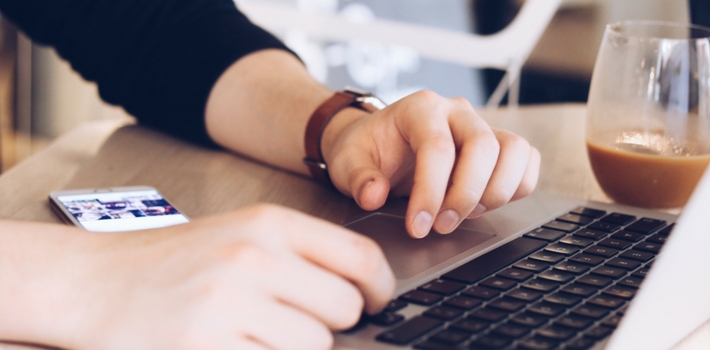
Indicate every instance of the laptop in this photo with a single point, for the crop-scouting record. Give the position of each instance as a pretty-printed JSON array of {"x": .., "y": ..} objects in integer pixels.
[{"x": 545, "y": 272}]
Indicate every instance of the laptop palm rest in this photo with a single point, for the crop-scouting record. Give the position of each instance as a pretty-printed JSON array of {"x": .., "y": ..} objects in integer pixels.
[{"x": 409, "y": 257}]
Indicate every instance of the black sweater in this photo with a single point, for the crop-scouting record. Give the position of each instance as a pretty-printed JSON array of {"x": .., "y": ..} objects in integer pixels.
[{"x": 156, "y": 58}]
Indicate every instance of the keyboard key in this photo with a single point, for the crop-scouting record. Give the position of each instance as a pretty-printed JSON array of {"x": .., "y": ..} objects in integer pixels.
[
  {"x": 443, "y": 313},
  {"x": 575, "y": 219},
  {"x": 541, "y": 285},
  {"x": 612, "y": 321},
  {"x": 581, "y": 343},
  {"x": 498, "y": 283},
  {"x": 515, "y": 274},
  {"x": 579, "y": 289},
  {"x": 648, "y": 247},
  {"x": 488, "y": 314},
  {"x": 595, "y": 281},
  {"x": 410, "y": 330},
  {"x": 657, "y": 238},
  {"x": 609, "y": 271},
  {"x": 450, "y": 337},
  {"x": 618, "y": 218},
  {"x": 640, "y": 273},
  {"x": 491, "y": 342},
  {"x": 666, "y": 230},
  {"x": 599, "y": 332},
  {"x": 620, "y": 291},
  {"x": 559, "y": 248},
  {"x": 615, "y": 243},
  {"x": 511, "y": 330},
  {"x": 470, "y": 325},
  {"x": 524, "y": 295},
  {"x": 574, "y": 321},
  {"x": 584, "y": 211},
  {"x": 562, "y": 299},
  {"x": 494, "y": 260},
  {"x": 396, "y": 305},
  {"x": 606, "y": 301},
  {"x": 545, "y": 234},
  {"x": 529, "y": 319},
  {"x": 631, "y": 281},
  {"x": 591, "y": 234},
  {"x": 547, "y": 257},
  {"x": 556, "y": 332},
  {"x": 588, "y": 259},
  {"x": 421, "y": 297},
  {"x": 443, "y": 287},
  {"x": 572, "y": 267},
  {"x": 561, "y": 226},
  {"x": 590, "y": 311},
  {"x": 481, "y": 292},
  {"x": 546, "y": 309},
  {"x": 532, "y": 265},
  {"x": 636, "y": 255},
  {"x": 430, "y": 345},
  {"x": 506, "y": 304},
  {"x": 646, "y": 225},
  {"x": 577, "y": 241},
  {"x": 628, "y": 236},
  {"x": 385, "y": 319},
  {"x": 537, "y": 343},
  {"x": 604, "y": 227},
  {"x": 601, "y": 251},
  {"x": 462, "y": 302},
  {"x": 624, "y": 263},
  {"x": 557, "y": 276}
]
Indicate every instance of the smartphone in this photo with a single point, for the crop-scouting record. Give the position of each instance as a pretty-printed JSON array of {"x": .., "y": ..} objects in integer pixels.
[{"x": 116, "y": 209}]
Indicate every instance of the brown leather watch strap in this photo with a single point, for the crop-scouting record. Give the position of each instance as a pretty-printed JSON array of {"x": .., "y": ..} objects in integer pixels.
[{"x": 314, "y": 133}]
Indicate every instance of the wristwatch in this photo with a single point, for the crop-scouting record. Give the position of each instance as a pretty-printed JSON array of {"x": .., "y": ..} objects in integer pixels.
[{"x": 349, "y": 97}]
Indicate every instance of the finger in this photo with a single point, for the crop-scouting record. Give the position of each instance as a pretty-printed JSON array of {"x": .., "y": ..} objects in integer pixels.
[
  {"x": 248, "y": 344},
  {"x": 365, "y": 181},
  {"x": 509, "y": 171},
  {"x": 350, "y": 255},
  {"x": 430, "y": 138},
  {"x": 475, "y": 164},
  {"x": 529, "y": 182},
  {"x": 281, "y": 326},
  {"x": 326, "y": 296}
]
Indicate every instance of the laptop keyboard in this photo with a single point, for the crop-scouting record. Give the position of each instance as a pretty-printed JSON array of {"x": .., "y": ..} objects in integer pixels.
[{"x": 564, "y": 285}]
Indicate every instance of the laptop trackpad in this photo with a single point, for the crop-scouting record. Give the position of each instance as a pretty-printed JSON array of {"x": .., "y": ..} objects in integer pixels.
[{"x": 408, "y": 256}]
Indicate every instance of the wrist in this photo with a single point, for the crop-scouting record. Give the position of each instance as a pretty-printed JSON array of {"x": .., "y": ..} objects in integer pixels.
[
  {"x": 42, "y": 273},
  {"x": 323, "y": 121},
  {"x": 336, "y": 129}
]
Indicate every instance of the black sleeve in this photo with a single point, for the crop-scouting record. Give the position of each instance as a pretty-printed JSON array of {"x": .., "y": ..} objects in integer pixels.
[{"x": 156, "y": 58}]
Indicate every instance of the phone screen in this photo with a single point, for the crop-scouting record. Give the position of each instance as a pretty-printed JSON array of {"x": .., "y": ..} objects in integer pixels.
[{"x": 121, "y": 211}]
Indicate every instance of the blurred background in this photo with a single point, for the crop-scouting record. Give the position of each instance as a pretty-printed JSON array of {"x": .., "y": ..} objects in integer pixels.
[{"x": 42, "y": 98}]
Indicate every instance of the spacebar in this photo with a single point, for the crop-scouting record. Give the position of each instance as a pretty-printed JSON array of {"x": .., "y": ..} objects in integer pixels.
[{"x": 494, "y": 260}]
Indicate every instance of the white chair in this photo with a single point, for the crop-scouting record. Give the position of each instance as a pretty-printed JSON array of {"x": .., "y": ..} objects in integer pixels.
[{"x": 506, "y": 50}]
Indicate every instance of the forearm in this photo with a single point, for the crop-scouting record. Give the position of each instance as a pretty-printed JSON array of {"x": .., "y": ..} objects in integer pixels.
[
  {"x": 40, "y": 293},
  {"x": 260, "y": 107}
]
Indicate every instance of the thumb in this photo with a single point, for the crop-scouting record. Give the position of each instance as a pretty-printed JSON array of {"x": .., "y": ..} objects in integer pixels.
[{"x": 365, "y": 182}]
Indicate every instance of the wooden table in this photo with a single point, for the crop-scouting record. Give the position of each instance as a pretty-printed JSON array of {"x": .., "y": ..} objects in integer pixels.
[{"x": 202, "y": 182}]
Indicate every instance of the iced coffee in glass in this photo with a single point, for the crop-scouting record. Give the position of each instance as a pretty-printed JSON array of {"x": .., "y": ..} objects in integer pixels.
[{"x": 648, "y": 119}]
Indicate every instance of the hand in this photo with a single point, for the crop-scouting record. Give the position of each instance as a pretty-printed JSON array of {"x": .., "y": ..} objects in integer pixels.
[
  {"x": 434, "y": 149},
  {"x": 262, "y": 277}
]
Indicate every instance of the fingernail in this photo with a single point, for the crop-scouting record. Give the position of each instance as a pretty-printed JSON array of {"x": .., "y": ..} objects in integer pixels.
[
  {"x": 446, "y": 221},
  {"x": 478, "y": 211},
  {"x": 422, "y": 224}
]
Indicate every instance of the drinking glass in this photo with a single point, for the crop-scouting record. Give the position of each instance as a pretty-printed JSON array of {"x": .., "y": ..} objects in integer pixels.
[{"x": 648, "y": 117}]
